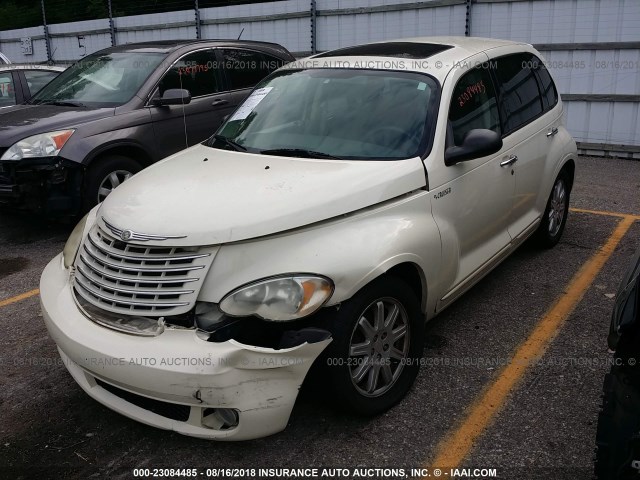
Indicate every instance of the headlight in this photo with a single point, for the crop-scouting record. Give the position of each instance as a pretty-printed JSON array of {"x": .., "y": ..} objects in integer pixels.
[
  {"x": 73, "y": 243},
  {"x": 281, "y": 298},
  {"x": 42, "y": 145}
]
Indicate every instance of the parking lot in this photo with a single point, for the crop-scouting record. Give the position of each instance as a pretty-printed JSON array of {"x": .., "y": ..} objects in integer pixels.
[{"x": 485, "y": 397}]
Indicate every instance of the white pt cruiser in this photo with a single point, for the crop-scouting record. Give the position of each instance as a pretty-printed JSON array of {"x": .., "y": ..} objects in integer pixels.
[{"x": 353, "y": 196}]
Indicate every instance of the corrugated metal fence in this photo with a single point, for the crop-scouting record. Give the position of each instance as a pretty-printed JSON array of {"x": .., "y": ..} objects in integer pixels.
[{"x": 591, "y": 46}]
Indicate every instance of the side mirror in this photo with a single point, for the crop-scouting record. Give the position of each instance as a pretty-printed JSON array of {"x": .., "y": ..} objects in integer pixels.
[
  {"x": 173, "y": 96},
  {"x": 477, "y": 143}
]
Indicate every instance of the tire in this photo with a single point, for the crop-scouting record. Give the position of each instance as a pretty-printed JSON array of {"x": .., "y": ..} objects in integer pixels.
[
  {"x": 101, "y": 176},
  {"x": 361, "y": 397},
  {"x": 555, "y": 214},
  {"x": 618, "y": 431}
]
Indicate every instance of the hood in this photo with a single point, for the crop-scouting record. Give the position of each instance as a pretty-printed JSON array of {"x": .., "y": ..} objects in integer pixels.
[
  {"x": 23, "y": 121},
  {"x": 237, "y": 196}
]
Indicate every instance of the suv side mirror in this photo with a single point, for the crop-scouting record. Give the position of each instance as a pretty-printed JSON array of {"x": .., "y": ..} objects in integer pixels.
[
  {"x": 173, "y": 96},
  {"x": 477, "y": 143}
]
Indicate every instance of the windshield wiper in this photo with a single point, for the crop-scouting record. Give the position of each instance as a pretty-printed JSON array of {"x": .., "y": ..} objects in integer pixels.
[
  {"x": 227, "y": 141},
  {"x": 298, "y": 152},
  {"x": 62, "y": 103}
]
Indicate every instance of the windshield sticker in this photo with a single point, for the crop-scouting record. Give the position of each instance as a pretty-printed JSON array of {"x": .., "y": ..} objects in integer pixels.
[
  {"x": 250, "y": 103},
  {"x": 422, "y": 86}
]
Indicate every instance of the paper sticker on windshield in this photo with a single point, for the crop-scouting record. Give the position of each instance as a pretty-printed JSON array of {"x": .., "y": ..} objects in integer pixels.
[{"x": 250, "y": 103}]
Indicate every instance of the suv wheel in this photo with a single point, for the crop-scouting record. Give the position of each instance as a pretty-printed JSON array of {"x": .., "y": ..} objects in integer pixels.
[
  {"x": 378, "y": 342},
  {"x": 555, "y": 215},
  {"x": 104, "y": 175}
]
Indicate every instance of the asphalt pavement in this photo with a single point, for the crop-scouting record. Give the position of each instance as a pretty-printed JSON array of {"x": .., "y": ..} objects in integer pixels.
[{"x": 543, "y": 428}]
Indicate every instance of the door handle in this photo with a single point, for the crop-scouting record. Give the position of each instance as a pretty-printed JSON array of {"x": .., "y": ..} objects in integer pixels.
[
  {"x": 219, "y": 101},
  {"x": 552, "y": 132},
  {"x": 509, "y": 161}
]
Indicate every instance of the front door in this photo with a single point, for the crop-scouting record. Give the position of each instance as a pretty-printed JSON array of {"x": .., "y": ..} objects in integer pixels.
[{"x": 473, "y": 204}]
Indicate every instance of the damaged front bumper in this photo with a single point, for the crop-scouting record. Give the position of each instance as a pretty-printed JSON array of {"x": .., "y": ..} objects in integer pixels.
[
  {"x": 176, "y": 380},
  {"x": 41, "y": 184}
]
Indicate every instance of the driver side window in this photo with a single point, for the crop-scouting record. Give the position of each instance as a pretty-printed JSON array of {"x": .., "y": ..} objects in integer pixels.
[
  {"x": 196, "y": 72},
  {"x": 473, "y": 105}
]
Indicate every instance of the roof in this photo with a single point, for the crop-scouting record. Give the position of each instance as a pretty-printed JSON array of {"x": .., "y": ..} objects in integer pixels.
[
  {"x": 402, "y": 49},
  {"x": 433, "y": 55},
  {"x": 466, "y": 46}
]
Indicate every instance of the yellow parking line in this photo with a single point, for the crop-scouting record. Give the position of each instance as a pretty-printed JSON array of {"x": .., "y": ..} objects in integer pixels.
[
  {"x": 457, "y": 445},
  {"x": 609, "y": 214},
  {"x": 17, "y": 298}
]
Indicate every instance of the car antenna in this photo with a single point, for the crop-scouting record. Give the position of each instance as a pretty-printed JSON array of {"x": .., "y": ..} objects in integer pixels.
[
  {"x": 241, "y": 31},
  {"x": 184, "y": 116}
]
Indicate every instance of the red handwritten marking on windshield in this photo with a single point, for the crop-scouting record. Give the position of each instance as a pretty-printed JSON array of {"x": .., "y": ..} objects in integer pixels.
[{"x": 470, "y": 92}]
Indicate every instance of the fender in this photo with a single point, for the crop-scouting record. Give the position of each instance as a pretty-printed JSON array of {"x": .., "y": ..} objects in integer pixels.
[
  {"x": 120, "y": 144},
  {"x": 352, "y": 250},
  {"x": 131, "y": 129}
]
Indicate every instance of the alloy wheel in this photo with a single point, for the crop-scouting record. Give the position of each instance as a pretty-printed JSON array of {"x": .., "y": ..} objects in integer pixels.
[
  {"x": 379, "y": 347},
  {"x": 557, "y": 207},
  {"x": 111, "y": 181}
]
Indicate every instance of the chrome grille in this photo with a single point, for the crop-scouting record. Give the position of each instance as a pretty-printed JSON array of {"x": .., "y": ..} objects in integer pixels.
[{"x": 135, "y": 279}]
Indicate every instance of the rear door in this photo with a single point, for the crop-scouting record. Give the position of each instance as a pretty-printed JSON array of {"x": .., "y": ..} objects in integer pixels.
[
  {"x": 179, "y": 126},
  {"x": 525, "y": 127}
]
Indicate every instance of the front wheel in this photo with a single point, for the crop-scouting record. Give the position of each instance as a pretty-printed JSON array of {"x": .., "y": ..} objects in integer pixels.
[
  {"x": 104, "y": 175},
  {"x": 378, "y": 342},
  {"x": 555, "y": 215}
]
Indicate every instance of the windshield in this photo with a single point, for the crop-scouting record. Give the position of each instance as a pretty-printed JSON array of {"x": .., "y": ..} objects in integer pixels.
[
  {"x": 341, "y": 113},
  {"x": 101, "y": 80}
]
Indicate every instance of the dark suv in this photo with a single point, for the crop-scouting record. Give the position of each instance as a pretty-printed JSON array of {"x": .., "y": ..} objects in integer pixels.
[
  {"x": 119, "y": 110},
  {"x": 618, "y": 433}
]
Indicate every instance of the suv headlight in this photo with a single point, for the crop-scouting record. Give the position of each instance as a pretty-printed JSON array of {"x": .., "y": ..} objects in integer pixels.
[
  {"x": 41, "y": 145},
  {"x": 73, "y": 243},
  {"x": 281, "y": 298}
]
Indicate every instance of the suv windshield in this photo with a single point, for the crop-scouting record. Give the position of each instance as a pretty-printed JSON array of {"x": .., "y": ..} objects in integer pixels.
[
  {"x": 335, "y": 113},
  {"x": 101, "y": 80}
]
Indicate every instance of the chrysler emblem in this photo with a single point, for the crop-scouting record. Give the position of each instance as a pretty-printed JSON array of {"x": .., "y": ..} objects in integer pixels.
[{"x": 126, "y": 235}]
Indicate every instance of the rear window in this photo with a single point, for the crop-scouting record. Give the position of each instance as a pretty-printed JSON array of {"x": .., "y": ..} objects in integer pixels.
[
  {"x": 519, "y": 94},
  {"x": 548, "y": 88}
]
